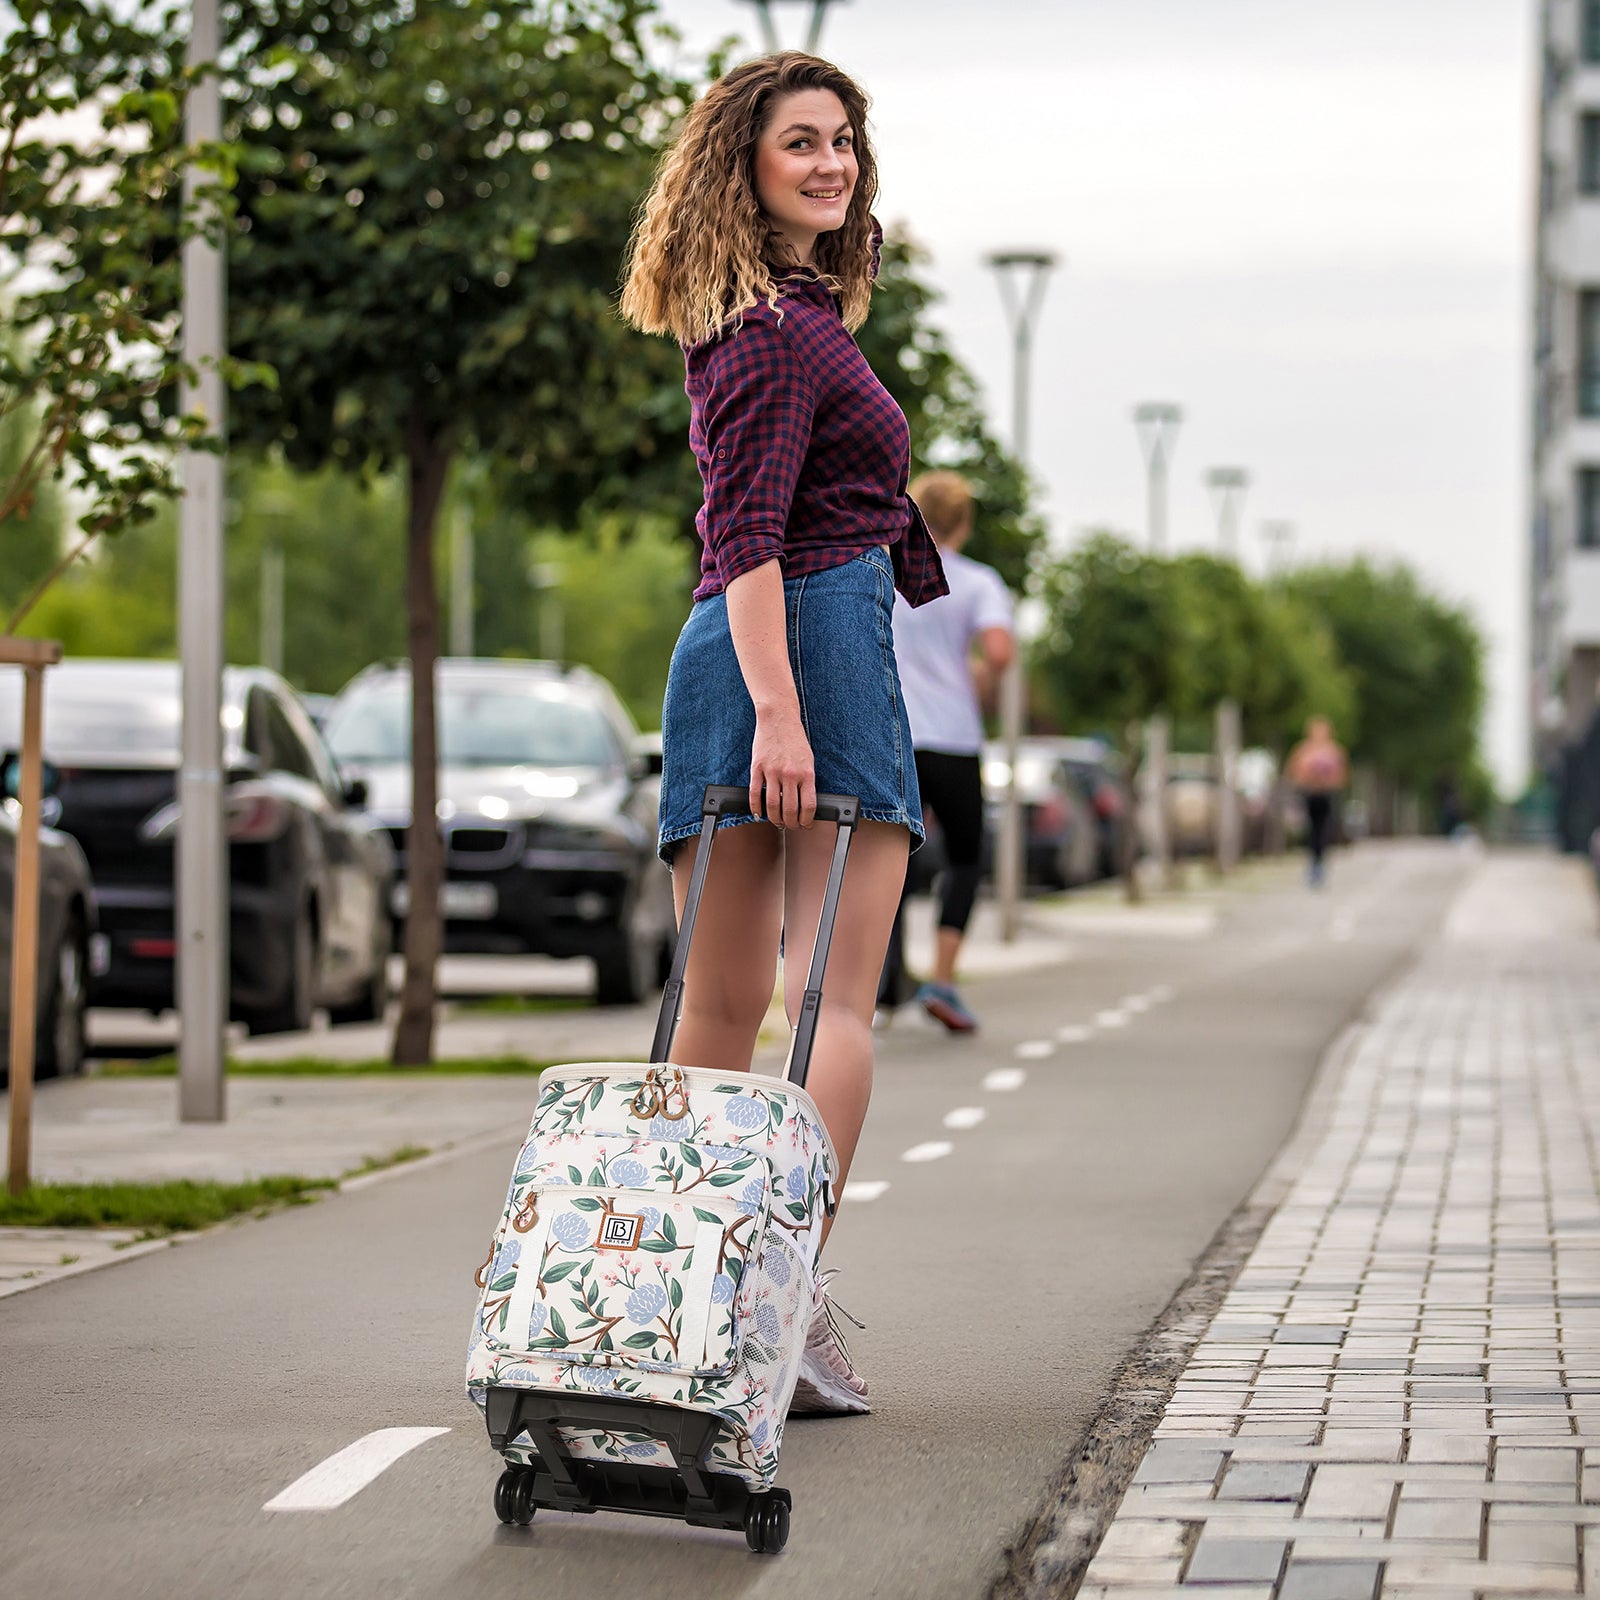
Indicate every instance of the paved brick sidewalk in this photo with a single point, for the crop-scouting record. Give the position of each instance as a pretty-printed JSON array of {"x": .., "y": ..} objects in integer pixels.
[{"x": 1401, "y": 1392}]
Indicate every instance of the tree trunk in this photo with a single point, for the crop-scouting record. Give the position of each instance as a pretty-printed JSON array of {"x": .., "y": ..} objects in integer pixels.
[
  {"x": 428, "y": 461},
  {"x": 1128, "y": 843}
]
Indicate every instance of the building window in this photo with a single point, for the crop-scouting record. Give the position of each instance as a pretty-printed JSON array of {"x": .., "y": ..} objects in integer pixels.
[
  {"x": 1589, "y": 353},
  {"x": 1589, "y": 153},
  {"x": 1591, "y": 30},
  {"x": 1589, "y": 508}
]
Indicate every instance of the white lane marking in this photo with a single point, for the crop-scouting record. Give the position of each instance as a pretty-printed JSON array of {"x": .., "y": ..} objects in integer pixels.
[
  {"x": 1111, "y": 1019},
  {"x": 1135, "y": 1003},
  {"x": 1074, "y": 1033},
  {"x": 933, "y": 1150},
  {"x": 964, "y": 1117},
  {"x": 1162, "y": 993},
  {"x": 347, "y": 1472},
  {"x": 1003, "y": 1079},
  {"x": 1034, "y": 1050},
  {"x": 864, "y": 1188}
]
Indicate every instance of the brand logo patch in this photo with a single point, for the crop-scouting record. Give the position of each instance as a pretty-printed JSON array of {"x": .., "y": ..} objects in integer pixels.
[{"x": 620, "y": 1231}]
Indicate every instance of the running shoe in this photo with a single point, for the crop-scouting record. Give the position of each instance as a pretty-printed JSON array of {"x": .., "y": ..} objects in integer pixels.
[
  {"x": 828, "y": 1384},
  {"x": 943, "y": 1004}
]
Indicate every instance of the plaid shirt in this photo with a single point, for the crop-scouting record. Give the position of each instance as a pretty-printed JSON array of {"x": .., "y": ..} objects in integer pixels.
[{"x": 803, "y": 453}]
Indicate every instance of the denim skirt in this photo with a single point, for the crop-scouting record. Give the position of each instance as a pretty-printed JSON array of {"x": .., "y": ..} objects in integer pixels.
[{"x": 841, "y": 649}]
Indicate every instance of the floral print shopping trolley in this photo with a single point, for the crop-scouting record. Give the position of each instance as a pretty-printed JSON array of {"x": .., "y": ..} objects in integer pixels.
[{"x": 647, "y": 1292}]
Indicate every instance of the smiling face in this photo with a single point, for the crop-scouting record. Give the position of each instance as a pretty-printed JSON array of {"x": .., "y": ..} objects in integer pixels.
[{"x": 806, "y": 168}]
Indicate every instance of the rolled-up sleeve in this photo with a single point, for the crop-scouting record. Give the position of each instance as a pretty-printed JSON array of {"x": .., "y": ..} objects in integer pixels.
[{"x": 758, "y": 410}]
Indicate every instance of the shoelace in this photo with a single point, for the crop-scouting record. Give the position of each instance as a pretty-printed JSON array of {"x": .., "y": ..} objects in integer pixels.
[{"x": 829, "y": 1307}]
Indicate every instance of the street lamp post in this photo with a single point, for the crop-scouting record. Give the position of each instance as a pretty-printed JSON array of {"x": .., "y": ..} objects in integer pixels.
[
  {"x": 1158, "y": 422},
  {"x": 769, "y": 28},
  {"x": 1227, "y": 486},
  {"x": 1022, "y": 274},
  {"x": 202, "y": 989},
  {"x": 1278, "y": 536}
]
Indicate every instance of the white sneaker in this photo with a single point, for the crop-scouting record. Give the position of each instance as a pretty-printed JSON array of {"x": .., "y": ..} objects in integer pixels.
[{"x": 828, "y": 1385}]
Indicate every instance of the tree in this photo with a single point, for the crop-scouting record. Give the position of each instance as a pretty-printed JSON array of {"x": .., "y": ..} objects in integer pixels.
[
  {"x": 430, "y": 224},
  {"x": 91, "y": 214}
]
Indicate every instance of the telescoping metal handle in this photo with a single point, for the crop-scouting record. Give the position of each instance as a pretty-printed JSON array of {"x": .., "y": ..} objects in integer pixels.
[{"x": 728, "y": 800}]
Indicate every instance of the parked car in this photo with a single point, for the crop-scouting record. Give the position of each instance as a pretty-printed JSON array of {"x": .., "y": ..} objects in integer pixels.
[
  {"x": 548, "y": 804},
  {"x": 1060, "y": 823},
  {"x": 310, "y": 870},
  {"x": 66, "y": 936}
]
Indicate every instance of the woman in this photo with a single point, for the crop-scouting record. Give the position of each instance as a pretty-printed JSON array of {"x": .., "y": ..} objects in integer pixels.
[
  {"x": 1319, "y": 768},
  {"x": 756, "y": 249}
]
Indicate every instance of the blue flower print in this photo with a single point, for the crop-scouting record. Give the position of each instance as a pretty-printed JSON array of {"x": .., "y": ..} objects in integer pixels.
[
  {"x": 723, "y": 1152},
  {"x": 795, "y": 1183},
  {"x": 537, "y": 1320},
  {"x": 758, "y": 1434},
  {"x": 507, "y": 1258},
  {"x": 721, "y": 1289},
  {"x": 650, "y": 1221},
  {"x": 594, "y": 1377},
  {"x": 768, "y": 1323},
  {"x": 642, "y": 1451},
  {"x": 645, "y": 1303},
  {"x": 776, "y": 1264},
  {"x": 746, "y": 1112},
  {"x": 627, "y": 1173},
  {"x": 667, "y": 1132},
  {"x": 571, "y": 1230},
  {"x": 753, "y": 1192}
]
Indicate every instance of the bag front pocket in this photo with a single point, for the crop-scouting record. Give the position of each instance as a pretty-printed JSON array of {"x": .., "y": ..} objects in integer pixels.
[{"x": 633, "y": 1272}]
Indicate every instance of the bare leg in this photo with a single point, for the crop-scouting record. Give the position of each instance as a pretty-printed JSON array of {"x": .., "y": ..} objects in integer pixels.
[
  {"x": 733, "y": 962},
  {"x": 947, "y": 948},
  {"x": 840, "y": 1079}
]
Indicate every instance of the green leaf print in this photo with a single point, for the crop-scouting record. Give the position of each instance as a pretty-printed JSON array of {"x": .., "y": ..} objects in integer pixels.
[
  {"x": 721, "y": 1180},
  {"x": 692, "y": 1156},
  {"x": 639, "y": 1341},
  {"x": 669, "y": 1232},
  {"x": 504, "y": 1281},
  {"x": 586, "y": 1203},
  {"x": 557, "y": 1326},
  {"x": 706, "y": 1216},
  {"x": 675, "y": 1293},
  {"x": 564, "y": 1269},
  {"x": 574, "y": 1174}
]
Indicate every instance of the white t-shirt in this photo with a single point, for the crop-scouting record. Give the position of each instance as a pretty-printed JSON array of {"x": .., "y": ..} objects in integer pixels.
[{"x": 932, "y": 644}]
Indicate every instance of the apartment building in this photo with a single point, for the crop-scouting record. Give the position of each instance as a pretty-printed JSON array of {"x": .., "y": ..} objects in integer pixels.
[{"x": 1565, "y": 488}]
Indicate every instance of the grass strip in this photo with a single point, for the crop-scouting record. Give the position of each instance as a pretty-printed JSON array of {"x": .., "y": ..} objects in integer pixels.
[
  {"x": 178, "y": 1206},
  {"x": 520, "y": 1005},
  {"x": 328, "y": 1067}
]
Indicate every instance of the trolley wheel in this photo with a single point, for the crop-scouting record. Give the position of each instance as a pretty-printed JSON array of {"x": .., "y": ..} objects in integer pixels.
[
  {"x": 766, "y": 1524},
  {"x": 522, "y": 1506},
  {"x": 504, "y": 1491}
]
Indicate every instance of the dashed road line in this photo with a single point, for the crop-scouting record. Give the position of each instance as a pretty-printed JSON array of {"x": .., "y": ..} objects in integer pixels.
[
  {"x": 964, "y": 1117},
  {"x": 1135, "y": 1003},
  {"x": 1034, "y": 1049},
  {"x": 1111, "y": 1019},
  {"x": 1162, "y": 993},
  {"x": 1004, "y": 1079},
  {"x": 864, "y": 1188},
  {"x": 347, "y": 1472},
  {"x": 932, "y": 1150},
  {"x": 1074, "y": 1033}
]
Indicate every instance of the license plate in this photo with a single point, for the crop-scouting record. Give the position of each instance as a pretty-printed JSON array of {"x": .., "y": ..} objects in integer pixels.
[{"x": 460, "y": 902}]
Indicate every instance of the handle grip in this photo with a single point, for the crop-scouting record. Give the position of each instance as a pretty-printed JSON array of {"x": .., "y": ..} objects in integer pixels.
[{"x": 728, "y": 800}]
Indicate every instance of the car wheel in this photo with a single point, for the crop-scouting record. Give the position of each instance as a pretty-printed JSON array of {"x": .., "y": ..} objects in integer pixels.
[
  {"x": 373, "y": 1001},
  {"x": 624, "y": 967},
  {"x": 292, "y": 1013},
  {"x": 63, "y": 1040}
]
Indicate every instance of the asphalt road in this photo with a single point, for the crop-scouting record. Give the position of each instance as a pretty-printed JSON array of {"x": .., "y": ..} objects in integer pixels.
[{"x": 150, "y": 1411}]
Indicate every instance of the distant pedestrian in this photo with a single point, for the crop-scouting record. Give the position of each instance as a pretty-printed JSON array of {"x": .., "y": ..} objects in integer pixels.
[
  {"x": 756, "y": 249},
  {"x": 952, "y": 652},
  {"x": 1319, "y": 769}
]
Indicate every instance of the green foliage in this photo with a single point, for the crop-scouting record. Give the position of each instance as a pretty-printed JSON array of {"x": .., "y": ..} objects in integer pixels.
[
  {"x": 30, "y": 538},
  {"x": 179, "y": 1206},
  {"x": 1110, "y": 651},
  {"x": 91, "y": 212},
  {"x": 1416, "y": 663}
]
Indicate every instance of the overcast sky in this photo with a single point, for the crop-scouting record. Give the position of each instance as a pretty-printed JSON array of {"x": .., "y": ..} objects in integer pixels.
[{"x": 1306, "y": 221}]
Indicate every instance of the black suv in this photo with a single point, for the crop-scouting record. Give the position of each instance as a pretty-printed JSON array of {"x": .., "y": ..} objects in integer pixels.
[{"x": 547, "y": 806}]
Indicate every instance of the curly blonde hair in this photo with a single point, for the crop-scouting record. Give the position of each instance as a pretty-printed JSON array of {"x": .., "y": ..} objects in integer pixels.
[{"x": 702, "y": 250}]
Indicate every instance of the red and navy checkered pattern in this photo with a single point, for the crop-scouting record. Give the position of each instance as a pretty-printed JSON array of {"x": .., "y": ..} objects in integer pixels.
[{"x": 803, "y": 453}]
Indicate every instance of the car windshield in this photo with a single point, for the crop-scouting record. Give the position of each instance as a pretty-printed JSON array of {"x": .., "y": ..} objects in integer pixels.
[
  {"x": 133, "y": 719},
  {"x": 480, "y": 725}
]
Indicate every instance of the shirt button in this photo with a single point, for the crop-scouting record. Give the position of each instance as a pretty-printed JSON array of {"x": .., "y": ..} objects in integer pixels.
[{"x": 722, "y": 455}]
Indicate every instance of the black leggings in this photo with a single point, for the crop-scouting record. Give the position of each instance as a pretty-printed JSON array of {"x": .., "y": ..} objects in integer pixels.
[
  {"x": 952, "y": 789},
  {"x": 1319, "y": 814}
]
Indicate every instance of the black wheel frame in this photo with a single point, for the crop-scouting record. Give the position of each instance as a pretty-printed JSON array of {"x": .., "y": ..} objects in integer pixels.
[
  {"x": 62, "y": 1041},
  {"x": 766, "y": 1524}
]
